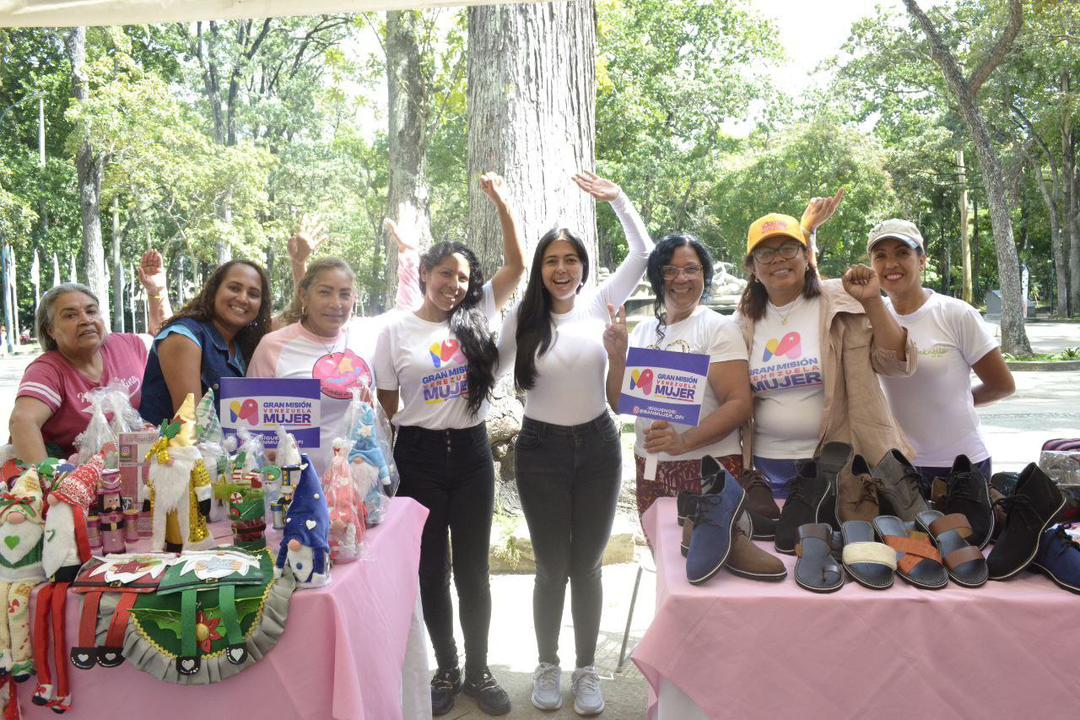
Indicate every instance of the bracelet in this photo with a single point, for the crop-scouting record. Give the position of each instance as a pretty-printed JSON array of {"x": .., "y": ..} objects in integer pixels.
[{"x": 159, "y": 296}]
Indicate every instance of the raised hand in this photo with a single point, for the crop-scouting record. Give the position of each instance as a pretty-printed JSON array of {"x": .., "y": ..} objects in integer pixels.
[
  {"x": 600, "y": 188},
  {"x": 862, "y": 283},
  {"x": 818, "y": 210},
  {"x": 307, "y": 239},
  {"x": 405, "y": 241},
  {"x": 494, "y": 187},
  {"x": 616, "y": 338},
  {"x": 152, "y": 273}
]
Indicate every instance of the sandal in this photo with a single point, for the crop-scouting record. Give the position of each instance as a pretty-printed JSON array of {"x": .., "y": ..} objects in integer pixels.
[
  {"x": 917, "y": 560},
  {"x": 963, "y": 561},
  {"x": 871, "y": 563},
  {"x": 816, "y": 569}
]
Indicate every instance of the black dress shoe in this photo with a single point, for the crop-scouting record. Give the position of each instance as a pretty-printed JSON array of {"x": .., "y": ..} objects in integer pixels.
[{"x": 1031, "y": 508}]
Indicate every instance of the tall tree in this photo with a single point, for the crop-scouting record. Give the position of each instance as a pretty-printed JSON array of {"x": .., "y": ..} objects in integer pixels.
[
  {"x": 90, "y": 167},
  {"x": 965, "y": 92},
  {"x": 532, "y": 110}
]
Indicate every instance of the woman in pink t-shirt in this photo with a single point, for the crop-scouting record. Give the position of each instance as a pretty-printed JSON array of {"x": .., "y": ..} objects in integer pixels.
[
  {"x": 79, "y": 356},
  {"x": 324, "y": 341}
]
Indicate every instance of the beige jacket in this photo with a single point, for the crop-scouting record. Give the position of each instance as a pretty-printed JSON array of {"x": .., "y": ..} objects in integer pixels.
[{"x": 856, "y": 411}]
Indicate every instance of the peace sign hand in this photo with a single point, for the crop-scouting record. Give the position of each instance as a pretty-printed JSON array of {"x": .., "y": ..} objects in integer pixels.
[
  {"x": 616, "y": 338},
  {"x": 819, "y": 210}
]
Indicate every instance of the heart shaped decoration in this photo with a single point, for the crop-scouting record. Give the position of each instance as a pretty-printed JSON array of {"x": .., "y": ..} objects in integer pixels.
[
  {"x": 12, "y": 541},
  {"x": 237, "y": 655},
  {"x": 83, "y": 657},
  {"x": 311, "y": 524},
  {"x": 187, "y": 664}
]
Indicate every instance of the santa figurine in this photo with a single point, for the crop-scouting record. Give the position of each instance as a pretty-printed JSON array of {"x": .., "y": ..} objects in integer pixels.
[
  {"x": 65, "y": 549},
  {"x": 21, "y": 532},
  {"x": 173, "y": 460}
]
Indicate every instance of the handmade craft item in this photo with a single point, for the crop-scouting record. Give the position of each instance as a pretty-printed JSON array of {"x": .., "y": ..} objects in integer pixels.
[{"x": 305, "y": 546}]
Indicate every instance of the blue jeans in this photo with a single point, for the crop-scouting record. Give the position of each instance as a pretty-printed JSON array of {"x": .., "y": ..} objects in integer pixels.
[
  {"x": 568, "y": 479},
  {"x": 779, "y": 473},
  {"x": 929, "y": 473}
]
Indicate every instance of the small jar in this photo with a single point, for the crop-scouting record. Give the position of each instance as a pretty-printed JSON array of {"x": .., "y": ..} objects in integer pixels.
[
  {"x": 131, "y": 525},
  {"x": 93, "y": 531}
]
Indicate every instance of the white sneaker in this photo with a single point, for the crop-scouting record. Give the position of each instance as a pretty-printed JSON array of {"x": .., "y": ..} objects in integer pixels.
[
  {"x": 585, "y": 684},
  {"x": 547, "y": 694}
]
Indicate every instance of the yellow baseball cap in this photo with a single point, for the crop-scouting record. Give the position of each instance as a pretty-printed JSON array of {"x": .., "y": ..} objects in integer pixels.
[{"x": 772, "y": 225}]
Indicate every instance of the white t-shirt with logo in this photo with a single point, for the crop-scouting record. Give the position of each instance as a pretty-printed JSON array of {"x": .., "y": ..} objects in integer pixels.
[
  {"x": 934, "y": 406},
  {"x": 424, "y": 361},
  {"x": 707, "y": 333},
  {"x": 787, "y": 380},
  {"x": 340, "y": 364}
]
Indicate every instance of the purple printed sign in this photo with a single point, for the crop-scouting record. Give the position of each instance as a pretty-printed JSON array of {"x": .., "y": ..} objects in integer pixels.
[
  {"x": 664, "y": 385},
  {"x": 261, "y": 405}
]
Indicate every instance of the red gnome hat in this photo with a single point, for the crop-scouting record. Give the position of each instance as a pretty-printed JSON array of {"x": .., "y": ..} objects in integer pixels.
[{"x": 79, "y": 490}]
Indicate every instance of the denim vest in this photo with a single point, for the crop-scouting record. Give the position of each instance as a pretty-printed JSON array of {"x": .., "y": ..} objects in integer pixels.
[{"x": 157, "y": 405}]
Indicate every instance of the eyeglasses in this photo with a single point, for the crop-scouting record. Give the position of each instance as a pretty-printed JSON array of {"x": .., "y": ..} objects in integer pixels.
[
  {"x": 788, "y": 250},
  {"x": 670, "y": 272}
]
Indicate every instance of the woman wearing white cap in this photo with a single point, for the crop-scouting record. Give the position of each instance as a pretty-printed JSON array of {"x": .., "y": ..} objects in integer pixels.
[{"x": 936, "y": 406}]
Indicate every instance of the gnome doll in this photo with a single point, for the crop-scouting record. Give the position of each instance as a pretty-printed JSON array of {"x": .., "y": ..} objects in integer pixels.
[
  {"x": 21, "y": 533},
  {"x": 305, "y": 543},
  {"x": 65, "y": 549},
  {"x": 173, "y": 459}
]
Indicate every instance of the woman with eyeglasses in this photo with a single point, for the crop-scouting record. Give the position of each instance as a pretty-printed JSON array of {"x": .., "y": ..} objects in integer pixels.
[
  {"x": 816, "y": 348},
  {"x": 679, "y": 270},
  {"x": 568, "y": 459}
]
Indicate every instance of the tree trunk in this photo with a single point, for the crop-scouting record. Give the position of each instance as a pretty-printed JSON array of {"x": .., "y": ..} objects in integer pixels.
[
  {"x": 532, "y": 114},
  {"x": 1070, "y": 177},
  {"x": 118, "y": 269},
  {"x": 1057, "y": 242},
  {"x": 965, "y": 237},
  {"x": 89, "y": 167},
  {"x": 1013, "y": 337},
  {"x": 410, "y": 94}
]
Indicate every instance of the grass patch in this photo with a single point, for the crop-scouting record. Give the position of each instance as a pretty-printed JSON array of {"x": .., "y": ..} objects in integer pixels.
[{"x": 1072, "y": 353}]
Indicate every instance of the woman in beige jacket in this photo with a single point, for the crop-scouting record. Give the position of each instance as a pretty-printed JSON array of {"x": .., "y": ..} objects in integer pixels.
[{"x": 816, "y": 348}]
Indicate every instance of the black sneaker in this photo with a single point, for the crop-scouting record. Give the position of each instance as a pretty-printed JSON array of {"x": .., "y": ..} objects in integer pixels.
[
  {"x": 489, "y": 696},
  {"x": 1030, "y": 511},
  {"x": 444, "y": 686}
]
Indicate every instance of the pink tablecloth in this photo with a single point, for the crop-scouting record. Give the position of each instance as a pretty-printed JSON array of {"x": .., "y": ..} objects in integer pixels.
[
  {"x": 745, "y": 649},
  {"x": 341, "y": 655}
]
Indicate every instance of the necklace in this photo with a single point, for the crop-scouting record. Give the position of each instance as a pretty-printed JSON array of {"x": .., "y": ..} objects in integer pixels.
[
  {"x": 791, "y": 307},
  {"x": 331, "y": 347}
]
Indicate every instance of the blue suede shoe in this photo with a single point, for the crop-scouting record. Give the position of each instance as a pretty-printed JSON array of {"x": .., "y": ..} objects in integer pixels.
[
  {"x": 1059, "y": 558},
  {"x": 714, "y": 523}
]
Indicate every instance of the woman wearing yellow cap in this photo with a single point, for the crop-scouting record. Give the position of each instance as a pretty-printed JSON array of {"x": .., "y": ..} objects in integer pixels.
[{"x": 816, "y": 347}]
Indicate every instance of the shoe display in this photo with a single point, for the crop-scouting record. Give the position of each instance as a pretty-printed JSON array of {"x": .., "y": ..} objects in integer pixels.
[
  {"x": 714, "y": 519},
  {"x": 445, "y": 684},
  {"x": 857, "y": 492},
  {"x": 547, "y": 689},
  {"x": 585, "y": 684},
  {"x": 1059, "y": 558},
  {"x": 809, "y": 501},
  {"x": 760, "y": 503},
  {"x": 748, "y": 560},
  {"x": 900, "y": 492},
  {"x": 966, "y": 491},
  {"x": 485, "y": 690},
  {"x": 1030, "y": 509}
]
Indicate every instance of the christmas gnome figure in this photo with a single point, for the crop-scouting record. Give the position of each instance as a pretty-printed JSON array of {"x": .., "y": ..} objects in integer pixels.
[
  {"x": 21, "y": 534},
  {"x": 367, "y": 462},
  {"x": 65, "y": 549},
  {"x": 173, "y": 460},
  {"x": 305, "y": 542}
]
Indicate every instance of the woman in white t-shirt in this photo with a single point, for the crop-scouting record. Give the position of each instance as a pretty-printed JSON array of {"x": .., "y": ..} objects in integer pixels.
[
  {"x": 324, "y": 341},
  {"x": 568, "y": 460},
  {"x": 679, "y": 270},
  {"x": 936, "y": 406},
  {"x": 439, "y": 364}
]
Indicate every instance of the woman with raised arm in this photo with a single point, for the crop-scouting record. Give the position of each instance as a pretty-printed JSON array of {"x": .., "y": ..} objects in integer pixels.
[
  {"x": 568, "y": 459},
  {"x": 438, "y": 364}
]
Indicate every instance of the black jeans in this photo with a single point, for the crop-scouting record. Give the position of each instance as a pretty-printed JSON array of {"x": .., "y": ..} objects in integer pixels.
[
  {"x": 568, "y": 479},
  {"x": 451, "y": 473}
]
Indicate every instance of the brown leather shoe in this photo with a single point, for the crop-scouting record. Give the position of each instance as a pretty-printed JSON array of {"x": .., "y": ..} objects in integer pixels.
[
  {"x": 857, "y": 492},
  {"x": 747, "y": 560},
  {"x": 743, "y": 524},
  {"x": 900, "y": 487},
  {"x": 760, "y": 503}
]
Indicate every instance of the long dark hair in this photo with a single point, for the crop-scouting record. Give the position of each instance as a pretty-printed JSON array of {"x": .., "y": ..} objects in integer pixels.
[
  {"x": 534, "y": 313},
  {"x": 755, "y": 298},
  {"x": 468, "y": 323},
  {"x": 659, "y": 257},
  {"x": 201, "y": 307}
]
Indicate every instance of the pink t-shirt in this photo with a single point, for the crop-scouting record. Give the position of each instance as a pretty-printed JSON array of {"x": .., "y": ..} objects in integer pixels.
[{"x": 52, "y": 380}]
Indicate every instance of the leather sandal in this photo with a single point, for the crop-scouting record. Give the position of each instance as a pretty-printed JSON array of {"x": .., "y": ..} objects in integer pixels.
[
  {"x": 963, "y": 561},
  {"x": 816, "y": 569},
  {"x": 870, "y": 563},
  {"x": 917, "y": 560}
]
